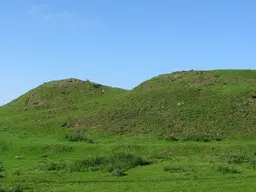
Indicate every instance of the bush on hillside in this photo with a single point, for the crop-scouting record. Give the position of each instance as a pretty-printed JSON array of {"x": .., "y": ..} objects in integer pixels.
[
  {"x": 237, "y": 159},
  {"x": 253, "y": 164},
  {"x": 197, "y": 138},
  {"x": 121, "y": 160},
  {"x": 118, "y": 173},
  {"x": 225, "y": 170},
  {"x": 77, "y": 138},
  {"x": 170, "y": 169},
  {"x": 1, "y": 171},
  {"x": 54, "y": 166},
  {"x": 90, "y": 164},
  {"x": 96, "y": 85},
  {"x": 114, "y": 164},
  {"x": 126, "y": 161},
  {"x": 171, "y": 138},
  {"x": 56, "y": 149},
  {"x": 17, "y": 172},
  {"x": 51, "y": 166}
]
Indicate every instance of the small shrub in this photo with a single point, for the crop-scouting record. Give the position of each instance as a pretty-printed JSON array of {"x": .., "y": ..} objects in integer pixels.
[
  {"x": 174, "y": 169},
  {"x": 126, "y": 161},
  {"x": 237, "y": 159},
  {"x": 1, "y": 171},
  {"x": 117, "y": 161},
  {"x": 171, "y": 138},
  {"x": 253, "y": 164},
  {"x": 96, "y": 85},
  {"x": 195, "y": 177},
  {"x": 198, "y": 138},
  {"x": 110, "y": 169},
  {"x": 50, "y": 166},
  {"x": 122, "y": 161},
  {"x": 57, "y": 149},
  {"x": 4, "y": 147},
  {"x": 90, "y": 164},
  {"x": 77, "y": 138},
  {"x": 17, "y": 172},
  {"x": 159, "y": 155},
  {"x": 54, "y": 166},
  {"x": 224, "y": 170},
  {"x": 206, "y": 140},
  {"x": 253, "y": 95},
  {"x": 118, "y": 173}
]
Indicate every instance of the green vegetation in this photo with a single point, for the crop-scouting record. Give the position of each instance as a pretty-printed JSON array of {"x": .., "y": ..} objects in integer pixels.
[
  {"x": 185, "y": 131},
  {"x": 114, "y": 162},
  {"x": 1, "y": 171},
  {"x": 77, "y": 138},
  {"x": 215, "y": 104},
  {"x": 224, "y": 170},
  {"x": 192, "y": 105}
]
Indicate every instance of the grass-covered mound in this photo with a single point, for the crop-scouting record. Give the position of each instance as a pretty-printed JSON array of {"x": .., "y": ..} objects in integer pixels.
[
  {"x": 54, "y": 104},
  {"x": 215, "y": 104},
  {"x": 203, "y": 105},
  {"x": 63, "y": 93}
]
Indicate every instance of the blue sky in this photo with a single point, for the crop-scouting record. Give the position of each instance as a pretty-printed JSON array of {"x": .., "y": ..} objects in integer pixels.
[{"x": 120, "y": 43}]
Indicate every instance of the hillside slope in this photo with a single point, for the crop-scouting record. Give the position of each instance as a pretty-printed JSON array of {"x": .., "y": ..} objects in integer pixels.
[
  {"x": 62, "y": 93},
  {"x": 54, "y": 103},
  {"x": 215, "y": 103},
  {"x": 220, "y": 103}
]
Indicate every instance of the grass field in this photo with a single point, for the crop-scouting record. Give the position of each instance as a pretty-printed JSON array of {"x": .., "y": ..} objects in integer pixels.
[
  {"x": 186, "y": 131},
  {"x": 125, "y": 164}
]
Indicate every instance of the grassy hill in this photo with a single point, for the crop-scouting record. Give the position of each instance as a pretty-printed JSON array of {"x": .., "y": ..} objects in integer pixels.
[
  {"x": 216, "y": 104},
  {"x": 51, "y": 105},
  {"x": 63, "y": 93},
  {"x": 191, "y": 103},
  {"x": 74, "y": 135}
]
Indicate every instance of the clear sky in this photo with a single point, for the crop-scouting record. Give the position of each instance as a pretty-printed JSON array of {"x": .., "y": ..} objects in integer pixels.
[{"x": 120, "y": 42}]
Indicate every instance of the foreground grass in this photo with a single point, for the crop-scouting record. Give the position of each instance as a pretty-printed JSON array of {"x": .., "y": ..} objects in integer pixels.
[{"x": 139, "y": 164}]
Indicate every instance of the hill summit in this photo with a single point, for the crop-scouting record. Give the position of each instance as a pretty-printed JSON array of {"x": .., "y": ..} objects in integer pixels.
[{"x": 62, "y": 93}]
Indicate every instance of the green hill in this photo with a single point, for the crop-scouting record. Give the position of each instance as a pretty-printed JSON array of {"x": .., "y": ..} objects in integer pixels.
[
  {"x": 62, "y": 93},
  {"x": 185, "y": 130},
  {"x": 215, "y": 103},
  {"x": 52, "y": 104},
  {"x": 220, "y": 103}
]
